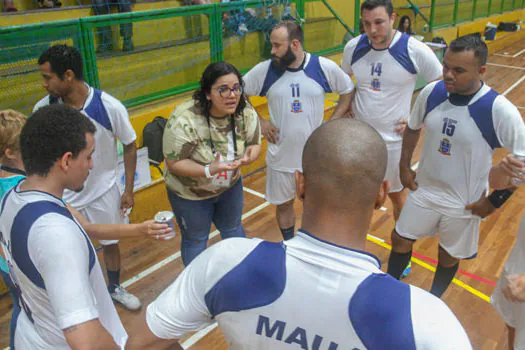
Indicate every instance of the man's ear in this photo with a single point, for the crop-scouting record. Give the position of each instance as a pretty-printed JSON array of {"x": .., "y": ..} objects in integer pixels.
[
  {"x": 65, "y": 160},
  {"x": 382, "y": 194},
  {"x": 69, "y": 76},
  {"x": 299, "y": 184}
]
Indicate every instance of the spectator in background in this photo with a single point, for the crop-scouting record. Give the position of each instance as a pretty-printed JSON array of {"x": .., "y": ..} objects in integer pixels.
[
  {"x": 205, "y": 142},
  {"x": 405, "y": 25},
  {"x": 9, "y": 6},
  {"x": 103, "y": 7}
]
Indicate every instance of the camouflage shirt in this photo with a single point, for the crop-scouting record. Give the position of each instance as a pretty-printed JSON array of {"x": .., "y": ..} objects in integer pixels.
[{"x": 188, "y": 136}]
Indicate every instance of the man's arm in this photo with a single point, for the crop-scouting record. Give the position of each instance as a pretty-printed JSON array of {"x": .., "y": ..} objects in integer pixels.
[
  {"x": 500, "y": 179},
  {"x": 130, "y": 165},
  {"x": 143, "y": 338},
  {"x": 61, "y": 254},
  {"x": 146, "y": 229},
  {"x": 408, "y": 176},
  {"x": 341, "y": 83},
  {"x": 344, "y": 105},
  {"x": 89, "y": 335},
  {"x": 501, "y": 174}
]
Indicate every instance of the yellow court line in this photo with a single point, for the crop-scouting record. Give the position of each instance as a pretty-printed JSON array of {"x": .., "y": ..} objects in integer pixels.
[{"x": 433, "y": 269}]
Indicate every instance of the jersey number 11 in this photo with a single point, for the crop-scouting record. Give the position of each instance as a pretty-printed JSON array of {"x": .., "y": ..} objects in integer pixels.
[{"x": 295, "y": 90}]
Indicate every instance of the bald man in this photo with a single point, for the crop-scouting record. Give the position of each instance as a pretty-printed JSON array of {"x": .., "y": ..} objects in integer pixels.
[{"x": 318, "y": 290}]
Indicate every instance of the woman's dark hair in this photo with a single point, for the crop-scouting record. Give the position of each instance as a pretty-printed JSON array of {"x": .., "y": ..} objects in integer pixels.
[
  {"x": 211, "y": 74},
  {"x": 401, "y": 27}
]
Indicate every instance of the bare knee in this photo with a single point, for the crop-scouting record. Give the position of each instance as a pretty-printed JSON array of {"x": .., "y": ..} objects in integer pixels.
[
  {"x": 400, "y": 244},
  {"x": 445, "y": 259},
  {"x": 285, "y": 207}
]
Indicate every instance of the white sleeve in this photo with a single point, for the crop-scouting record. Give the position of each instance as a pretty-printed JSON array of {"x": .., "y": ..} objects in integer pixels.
[
  {"x": 435, "y": 326},
  {"x": 338, "y": 80},
  {"x": 43, "y": 102},
  {"x": 426, "y": 62},
  {"x": 60, "y": 253},
  {"x": 417, "y": 116},
  {"x": 119, "y": 117},
  {"x": 347, "y": 55},
  {"x": 254, "y": 79},
  {"x": 509, "y": 126},
  {"x": 181, "y": 308}
]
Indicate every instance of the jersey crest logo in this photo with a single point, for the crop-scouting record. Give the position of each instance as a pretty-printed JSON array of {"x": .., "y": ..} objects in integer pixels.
[
  {"x": 296, "y": 106},
  {"x": 444, "y": 147},
  {"x": 375, "y": 85}
]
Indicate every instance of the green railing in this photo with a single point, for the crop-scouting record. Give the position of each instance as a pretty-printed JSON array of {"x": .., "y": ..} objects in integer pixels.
[
  {"x": 172, "y": 47},
  {"x": 445, "y": 13}
]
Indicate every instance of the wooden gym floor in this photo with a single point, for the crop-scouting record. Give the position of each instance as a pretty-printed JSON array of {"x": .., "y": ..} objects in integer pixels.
[{"x": 150, "y": 266}]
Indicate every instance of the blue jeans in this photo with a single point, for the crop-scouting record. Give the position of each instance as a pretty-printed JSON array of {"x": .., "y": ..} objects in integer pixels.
[
  {"x": 196, "y": 216},
  {"x": 16, "y": 308}
]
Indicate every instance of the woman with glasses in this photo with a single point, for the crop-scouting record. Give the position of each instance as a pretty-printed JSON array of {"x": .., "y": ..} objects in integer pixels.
[{"x": 206, "y": 141}]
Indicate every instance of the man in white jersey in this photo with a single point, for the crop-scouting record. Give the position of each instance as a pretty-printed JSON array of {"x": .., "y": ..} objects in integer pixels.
[
  {"x": 385, "y": 64},
  {"x": 318, "y": 290},
  {"x": 295, "y": 83},
  {"x": 100, "y": 201},
  {"x": 465, "y": 121},
  {"x": 53, "y": 265},
  {"x": 509, "y": 295}
]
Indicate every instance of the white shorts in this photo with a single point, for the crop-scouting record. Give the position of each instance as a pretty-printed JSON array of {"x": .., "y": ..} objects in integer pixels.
[
  {"x": 392, "y": 167},
  {"x": 458, "y": 236},
  {"x": 280, "y": 186},
  {"x": 105, "y": 210},
  {"x": 513, "y": 314}
]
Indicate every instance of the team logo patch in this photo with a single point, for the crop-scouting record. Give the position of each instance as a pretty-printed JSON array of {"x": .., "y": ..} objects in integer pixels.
[
  {"x": 444, "y": 147},
  {"x": 296, "y": 106},
  {"x": 375, "y": 85}
]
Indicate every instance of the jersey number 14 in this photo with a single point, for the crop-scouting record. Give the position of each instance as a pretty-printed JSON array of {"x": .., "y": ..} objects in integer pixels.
[{"x": 376, "y": 68}]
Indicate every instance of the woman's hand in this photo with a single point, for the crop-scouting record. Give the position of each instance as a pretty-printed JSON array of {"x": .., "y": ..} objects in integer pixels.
[
  {"x": 251, "y": 154},
  {"x": 218, "y": 166}
]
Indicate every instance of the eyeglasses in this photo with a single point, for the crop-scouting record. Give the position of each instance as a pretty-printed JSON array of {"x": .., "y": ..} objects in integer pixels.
[{"x": 226, "y": 92}]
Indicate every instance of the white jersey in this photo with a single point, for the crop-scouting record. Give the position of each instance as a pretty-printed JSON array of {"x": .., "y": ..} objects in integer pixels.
[
  {"x": 296, "y": 103},
  {"x": 386, "y": 79},
  {"x": 460, "y": 138},
  {"x": 303, "y": 293},
  {"x": 55, "y": 270},
  {"x": 112, "y": 121}
]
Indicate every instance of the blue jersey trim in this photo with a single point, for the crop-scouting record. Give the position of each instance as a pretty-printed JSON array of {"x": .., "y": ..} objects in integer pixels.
[
  {"x": 313, "y": 70},
  {"x": 437, "y": 96},
  {"x": 400, "y": 53},
  {"x": 20, "y": 229},
  {"x": 342, "y": 247},
  {"x": 362, "y": 48},
  {"x": 481, "y": 112},
  {"x": 258, "y": 280},
  {"x": 380, "y": 312},
  {"x": 272, "y": 75},
  {"x": 96, "y": 110}
]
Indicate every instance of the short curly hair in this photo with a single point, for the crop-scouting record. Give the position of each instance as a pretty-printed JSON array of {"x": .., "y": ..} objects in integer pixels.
[
  {"x": 51, "y": 132},
  {"x": 11, "y": 124}
]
